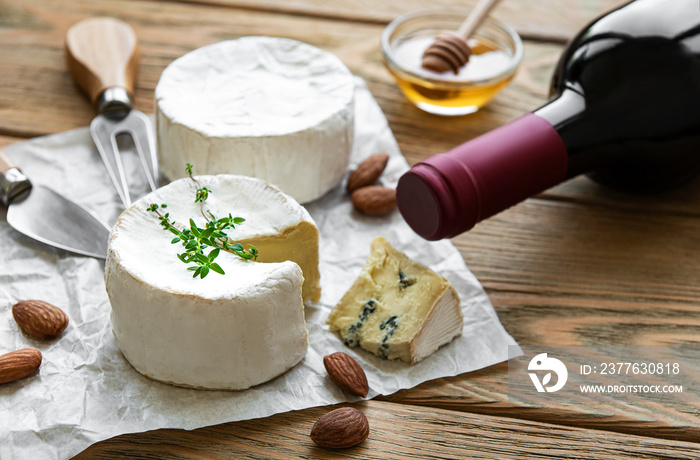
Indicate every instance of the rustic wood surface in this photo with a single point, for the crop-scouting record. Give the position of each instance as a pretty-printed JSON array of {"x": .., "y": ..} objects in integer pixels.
[
  {"x": 577, "y": 265},
  {"x": 396, "y": 431}
]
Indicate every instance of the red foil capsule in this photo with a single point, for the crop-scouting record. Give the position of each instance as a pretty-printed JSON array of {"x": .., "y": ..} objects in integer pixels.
[{"x": 448, "y": 193}]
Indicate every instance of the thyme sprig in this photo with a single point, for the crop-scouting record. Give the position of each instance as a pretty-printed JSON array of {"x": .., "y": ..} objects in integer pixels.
[{"x": 197, "y": 240}]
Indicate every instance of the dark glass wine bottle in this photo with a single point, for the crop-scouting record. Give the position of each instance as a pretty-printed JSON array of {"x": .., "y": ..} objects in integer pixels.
[{"x": 625, "y": 109}]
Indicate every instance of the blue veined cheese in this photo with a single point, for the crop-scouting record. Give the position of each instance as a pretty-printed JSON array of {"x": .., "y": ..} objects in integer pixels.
[
  {"x": 267, "y": 107},
  {"x": 228, "y": 331},
  {"x": 397, "y": 308}
]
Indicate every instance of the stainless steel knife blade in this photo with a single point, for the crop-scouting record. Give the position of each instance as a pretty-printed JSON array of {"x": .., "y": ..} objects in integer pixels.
[{"x": 49, "y": 217}]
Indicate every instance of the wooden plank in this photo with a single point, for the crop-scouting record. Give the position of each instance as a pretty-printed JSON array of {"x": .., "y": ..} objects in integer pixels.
[
  {"x": 682, "y": 201},
  {"x": 485, "y": 392},
  {"x": 396, "y": 431},
  {"x": 598, "y": 253},
  {"x": 552, "y": 21}
]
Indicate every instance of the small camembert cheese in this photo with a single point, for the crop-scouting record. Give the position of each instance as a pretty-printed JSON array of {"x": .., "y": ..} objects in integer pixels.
[
  {"x": 267, "y": 107},
  {"x": 228, "y": 331},
  {"x": 397, "y": 308}
]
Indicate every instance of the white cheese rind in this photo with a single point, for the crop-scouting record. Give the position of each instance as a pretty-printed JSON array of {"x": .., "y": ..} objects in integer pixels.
[
  {"x": 444, "y": 323},
  {"x": 266, "y": 107},
  {"x": 227, "y": 331}
]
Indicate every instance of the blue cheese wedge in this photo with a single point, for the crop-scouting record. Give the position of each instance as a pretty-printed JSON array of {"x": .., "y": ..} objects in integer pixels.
[{"x": 397, "y": 308}]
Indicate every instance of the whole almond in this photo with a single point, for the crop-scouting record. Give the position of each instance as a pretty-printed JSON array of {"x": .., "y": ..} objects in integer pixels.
[
  {"x": 340, "y": 428},
  {"x": 368, "y": 171},
  {"x": 374, "y": 200},
  {"x": 19, "y": 364},
  {"x": 346, "y": 373},
  {"x": 39, "y": 319}
]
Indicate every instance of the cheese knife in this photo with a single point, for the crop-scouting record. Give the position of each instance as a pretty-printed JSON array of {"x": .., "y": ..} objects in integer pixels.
[{"x": 49, "y": 217}]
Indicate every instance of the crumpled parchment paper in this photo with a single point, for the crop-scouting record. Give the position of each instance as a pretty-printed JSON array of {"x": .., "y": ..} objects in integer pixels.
[{"x": 86, "y": 391}]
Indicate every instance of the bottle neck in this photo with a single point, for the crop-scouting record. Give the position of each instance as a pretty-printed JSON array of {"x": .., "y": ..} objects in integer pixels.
[
  {"x": 566, "y": 115},
  {"x": 449, "y": 193},
  {"x": 563, "y": 110}
]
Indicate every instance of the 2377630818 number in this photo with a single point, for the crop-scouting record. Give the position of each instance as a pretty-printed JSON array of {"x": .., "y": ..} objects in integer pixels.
[{"x": 640, "y": 368}]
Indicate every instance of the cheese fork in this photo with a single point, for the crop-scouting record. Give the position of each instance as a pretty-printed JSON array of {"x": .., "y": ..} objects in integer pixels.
[{"x": 102, "y": 56}]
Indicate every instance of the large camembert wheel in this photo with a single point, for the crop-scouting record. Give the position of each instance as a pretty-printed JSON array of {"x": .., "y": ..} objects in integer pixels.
[{"x": 266, "y": 107}]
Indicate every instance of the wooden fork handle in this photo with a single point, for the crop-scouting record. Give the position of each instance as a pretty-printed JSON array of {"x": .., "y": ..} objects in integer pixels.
[{"x": 102, "y": 53}]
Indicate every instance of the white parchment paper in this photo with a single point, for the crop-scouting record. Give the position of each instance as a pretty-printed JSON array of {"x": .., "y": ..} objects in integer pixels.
[{"x": 86, "y": 391}]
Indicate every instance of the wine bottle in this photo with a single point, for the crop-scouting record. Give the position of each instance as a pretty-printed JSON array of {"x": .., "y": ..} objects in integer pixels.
[{"x": 625, "y": 109}]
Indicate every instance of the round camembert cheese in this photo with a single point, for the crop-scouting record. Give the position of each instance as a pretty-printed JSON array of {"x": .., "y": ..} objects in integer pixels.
[
  {"x": 229, "y": 331},
  {"x": 273, "y": 108}
]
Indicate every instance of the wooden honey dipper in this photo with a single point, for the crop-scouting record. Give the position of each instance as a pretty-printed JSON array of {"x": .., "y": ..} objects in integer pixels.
[{"x": 450, "y": 50}]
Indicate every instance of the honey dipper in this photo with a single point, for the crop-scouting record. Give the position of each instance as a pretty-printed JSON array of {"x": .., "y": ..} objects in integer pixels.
[{"x": 450, "y": 50}]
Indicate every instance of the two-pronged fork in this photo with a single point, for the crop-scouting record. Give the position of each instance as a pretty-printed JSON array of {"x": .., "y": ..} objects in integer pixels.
[{"x": 102, "y": 55}]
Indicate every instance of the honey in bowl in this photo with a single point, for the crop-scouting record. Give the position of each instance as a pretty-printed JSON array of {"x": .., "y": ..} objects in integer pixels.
[
  {"x": 496, "y": 48},
  {"x": 487, "y": 59}
]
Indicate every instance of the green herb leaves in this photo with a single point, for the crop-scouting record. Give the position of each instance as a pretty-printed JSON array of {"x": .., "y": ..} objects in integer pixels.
[
  {"x": 198, "y": 240},
  {"x": 201, "y": 195},
  {"x": 239, "y": 251}
]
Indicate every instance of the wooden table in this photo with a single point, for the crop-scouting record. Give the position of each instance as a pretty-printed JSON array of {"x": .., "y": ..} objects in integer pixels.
[{"x": 576, "y": 265}]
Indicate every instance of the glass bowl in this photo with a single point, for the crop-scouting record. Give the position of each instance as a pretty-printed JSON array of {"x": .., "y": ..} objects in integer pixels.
[{"x": 497, "y": 53}]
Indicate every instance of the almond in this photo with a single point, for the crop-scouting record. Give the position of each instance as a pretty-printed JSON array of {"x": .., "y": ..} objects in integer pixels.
[
  {"x": 19, "y": 364},
  {"x": 340, "y": 428},
  {"x": 346, "y": 373},
  {"x": 374, "y": 200},
  {"x": 39, "y": 319},
  {"x": 368, "y": 171}
]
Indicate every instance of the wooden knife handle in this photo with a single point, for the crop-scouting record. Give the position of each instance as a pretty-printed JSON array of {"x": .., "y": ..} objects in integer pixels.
[
  {"x": 5, "y": 162},
  {"x": 12, "y": 182},
  {"x": 102, "y": 53}
]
